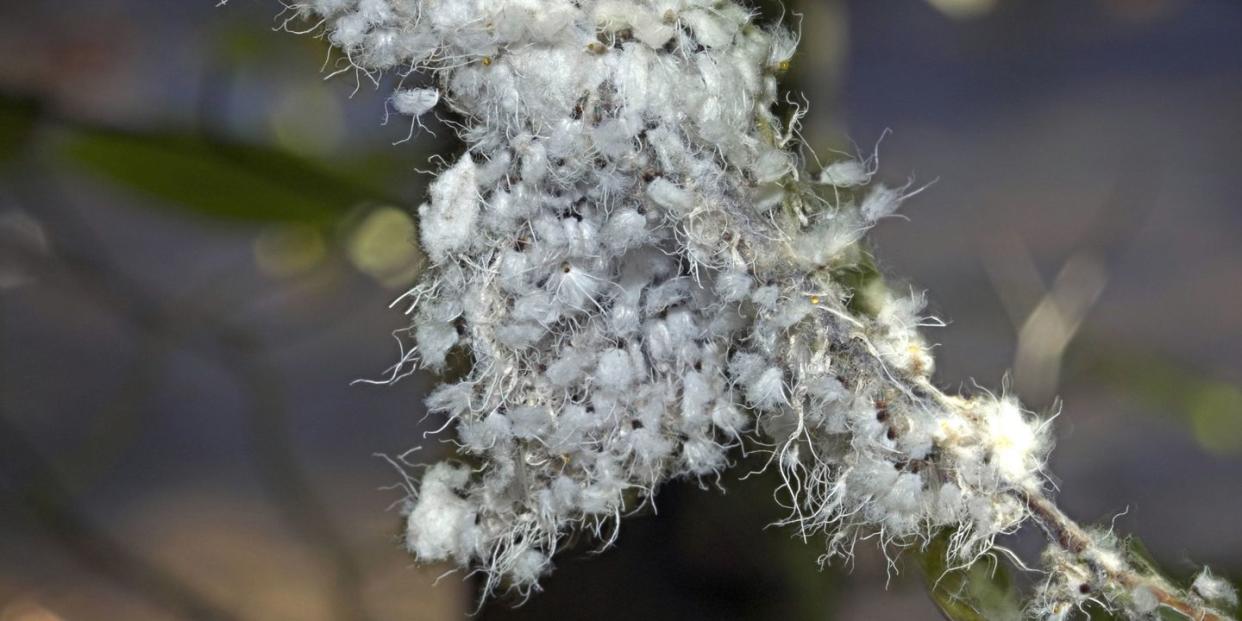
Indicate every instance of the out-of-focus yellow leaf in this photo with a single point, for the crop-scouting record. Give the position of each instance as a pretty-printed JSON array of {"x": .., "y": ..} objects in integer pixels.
[
  {"x": 1216, "y": 418},
  {"x": 383, "y": 245},
  {"x": 24, "y": 609},
  {"x": 308, "y": 120},
  {"x": 963, "y": 9},
  {"x": 290, "y": 250}
]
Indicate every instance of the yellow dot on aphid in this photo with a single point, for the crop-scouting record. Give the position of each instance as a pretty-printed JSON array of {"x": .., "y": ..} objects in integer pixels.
[
  {"x": 487, "y": 61},
  {"x": 783, "y": 66},
  {"x": 815, "y": 299}
]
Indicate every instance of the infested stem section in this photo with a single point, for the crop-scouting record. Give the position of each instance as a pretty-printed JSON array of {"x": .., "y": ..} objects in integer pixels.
[{"x": 1109, "y": 568}]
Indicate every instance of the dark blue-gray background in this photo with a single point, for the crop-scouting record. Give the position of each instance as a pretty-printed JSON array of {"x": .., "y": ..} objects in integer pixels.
[{"x": 181, "y": 435}]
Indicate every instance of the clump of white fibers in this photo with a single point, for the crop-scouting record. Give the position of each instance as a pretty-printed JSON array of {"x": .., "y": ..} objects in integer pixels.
[
  {"x": 644, "y": 275},
  {"x": 1214, "y": 589},
  {"x": 632, "y": 307}
]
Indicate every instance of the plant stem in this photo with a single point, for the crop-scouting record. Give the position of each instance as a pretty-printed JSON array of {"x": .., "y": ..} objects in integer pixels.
[{"x": 1069, "y": 536}]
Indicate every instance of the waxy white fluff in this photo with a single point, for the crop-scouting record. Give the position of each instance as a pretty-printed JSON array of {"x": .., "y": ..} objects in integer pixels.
[
  {"x": 645, "y": 275},
  {"x": 448, "y": 221},
  {"x": 1215, "y": 589},
  {"x": 415, "y": 102}
]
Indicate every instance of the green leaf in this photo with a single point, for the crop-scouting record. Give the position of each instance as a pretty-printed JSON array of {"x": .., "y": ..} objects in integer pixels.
[
  {"x": 1141, "y": 558},
  {"x": 981, "y": 592},
  {"x": 860, "y": 277},
  {"x": 220, "y": 179}
]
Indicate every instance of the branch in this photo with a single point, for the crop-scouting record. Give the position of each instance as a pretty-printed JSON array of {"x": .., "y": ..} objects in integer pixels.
[{"x": 1107, "y": 565}]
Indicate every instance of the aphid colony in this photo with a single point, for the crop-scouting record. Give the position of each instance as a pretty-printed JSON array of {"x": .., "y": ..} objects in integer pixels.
[{"x": 645, "y": 276}]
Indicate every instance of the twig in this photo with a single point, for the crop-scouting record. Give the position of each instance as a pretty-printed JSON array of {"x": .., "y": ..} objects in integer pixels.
[{"x": 1069, "y": 536}]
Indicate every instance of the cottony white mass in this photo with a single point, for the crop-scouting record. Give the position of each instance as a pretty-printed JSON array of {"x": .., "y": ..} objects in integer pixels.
[{"x": 645, "y": 275}]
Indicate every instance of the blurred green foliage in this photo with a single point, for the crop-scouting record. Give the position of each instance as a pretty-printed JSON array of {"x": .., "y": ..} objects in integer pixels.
[
  {"x": 306, "y": 210},
  {"x": 18, "y": 116},
  {"x": 221, "y": 179},
  {"x": 983, "y": 591},
  {"x": 1211, "y": 408}
]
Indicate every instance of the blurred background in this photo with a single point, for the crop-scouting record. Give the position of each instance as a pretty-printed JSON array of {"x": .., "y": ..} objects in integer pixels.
[{"x": 199, "y": 238}]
